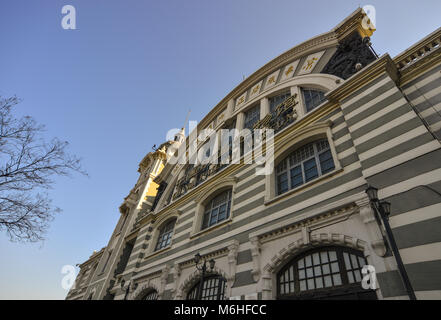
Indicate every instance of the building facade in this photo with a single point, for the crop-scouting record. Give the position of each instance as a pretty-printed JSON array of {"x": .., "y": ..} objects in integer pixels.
[{"x": 343, "y": 119}]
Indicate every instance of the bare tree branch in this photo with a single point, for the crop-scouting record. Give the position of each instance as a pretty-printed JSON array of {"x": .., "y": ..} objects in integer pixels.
[{"x": 27, "y": 166}]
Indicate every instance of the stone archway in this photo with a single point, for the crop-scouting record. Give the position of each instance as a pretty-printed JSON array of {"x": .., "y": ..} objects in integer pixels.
[
  {"x": 294, "y": 248},
  {"x": 142, "y": 290},
  {"x": 194, "y": 277}
]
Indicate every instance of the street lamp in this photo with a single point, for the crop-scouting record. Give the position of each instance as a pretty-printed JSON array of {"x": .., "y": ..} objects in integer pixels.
[
  {"x": 382, "y": 209},
  {"x": 203, "y": 269}
]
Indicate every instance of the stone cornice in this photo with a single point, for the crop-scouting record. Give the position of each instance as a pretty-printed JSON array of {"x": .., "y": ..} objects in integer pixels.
[{"x": 419, "y": 58}]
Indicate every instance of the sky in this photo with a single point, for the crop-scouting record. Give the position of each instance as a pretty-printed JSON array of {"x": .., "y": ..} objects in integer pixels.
[{"x": 129, "y": 73}]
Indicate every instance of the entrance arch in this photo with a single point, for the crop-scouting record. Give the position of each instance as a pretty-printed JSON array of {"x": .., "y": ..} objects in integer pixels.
[
  {"x": 324, "y": 273},
  {"x": 295, "y": 249}
]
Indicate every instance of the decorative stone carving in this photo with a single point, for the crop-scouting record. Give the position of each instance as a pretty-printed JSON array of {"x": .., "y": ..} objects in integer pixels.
[
  {"x": 373, "y": 226},
  {"x": 255, "y": 254},
  {"x": 176, "y": 275},
  {"x": 164, "y": 276},
  {"x": 232, "y": 261},
  {"x": 350, "y": 52},
  {"x": 283, "y": 115}
]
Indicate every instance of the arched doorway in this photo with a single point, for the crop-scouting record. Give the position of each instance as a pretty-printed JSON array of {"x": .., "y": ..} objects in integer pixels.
[
  {"x": 325, "y": 273},
  {"x": 213, "y": 288},
  {"x": 150, "y": 295}
]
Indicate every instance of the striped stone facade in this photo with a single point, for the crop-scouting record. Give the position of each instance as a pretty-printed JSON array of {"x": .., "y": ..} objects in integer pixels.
[{"x": 383, "y": 126}]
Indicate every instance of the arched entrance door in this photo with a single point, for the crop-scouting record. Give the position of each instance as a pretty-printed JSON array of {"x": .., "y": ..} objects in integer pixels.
[
  {"x": 326, "y": 273},
  {"x": 213, "y": 288}
]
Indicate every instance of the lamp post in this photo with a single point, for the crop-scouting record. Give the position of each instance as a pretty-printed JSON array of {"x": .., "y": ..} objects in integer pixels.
[
  {"x": 203, "y": 269},
  {"x": 382, "y": 208}
]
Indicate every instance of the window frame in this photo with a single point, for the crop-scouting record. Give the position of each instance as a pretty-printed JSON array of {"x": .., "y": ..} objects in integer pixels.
[
  {"x": 252, "y": 113},
  {"x": 221, "y": 291},
  {"x": 208, "y": 214},
  {"x": 310, "y": 89},
  {"x": 289, "y": 166},
  {"x": 295, "y": 139},
  {"x": 163, "y": 232},
  {"x": 345, "y": 285}
]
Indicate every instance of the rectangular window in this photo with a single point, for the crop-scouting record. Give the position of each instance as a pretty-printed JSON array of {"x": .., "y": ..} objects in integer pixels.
[
  {"x": 312, "y": 98},
  {"x": 251, "y": 117}
]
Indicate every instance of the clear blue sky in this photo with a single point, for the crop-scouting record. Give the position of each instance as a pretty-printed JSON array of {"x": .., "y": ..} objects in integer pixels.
[{"x": 127, "y": 75}]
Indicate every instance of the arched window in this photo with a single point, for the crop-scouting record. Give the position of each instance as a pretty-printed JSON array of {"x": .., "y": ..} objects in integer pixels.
[
  {"x": 312, "y": 98},
  {"x": 303, "y": 165},
  {"x": 213, "y": 288},
  {"x": 150, "y": 295},
  {"x": 165, "y": 235},
  {"x": 217, "y": 210},
  {"x": 278, "y": 99},
  {"x": 324, "y": 273}
]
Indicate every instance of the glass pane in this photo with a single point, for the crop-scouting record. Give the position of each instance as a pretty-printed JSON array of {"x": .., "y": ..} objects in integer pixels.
[
  {"x": 309, "y": 273},
  {"x": 296, "y": 177},
  {"x": 357, "y": 275},
  {"x": 324, "y": 256},
  {"x": 334, "y": 267},
  {"x": 315, "y": 258},
  {"x": 347, "y": 262},
  {"x": 326, "y": 161},
  {"x": 317, "y": 271},
  {"x": 354, "y": 261},
  {"x": 350, "y": 277},
  {"x": 326, "y": 269},
  {"x": 303, "y": 285},
  {"x": 361, "y": 262},
  {"x": 282, "y": 289},
  {"x": 337, "y": 279},
  {"x": 308, "y": 261},
  {"x": 291, "y": 272},
  {"x": 332, "y": 256},
  {"x": 291, "y": 287},
  {"x": 302, "y": 274},
  {"x": 328, "y": 281},
  {"x": 310, "y": 169},
  {"x": 311, "y": 284},
  {"x": 319, "y": 282},
  {"x": 282, "y": 183}
]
